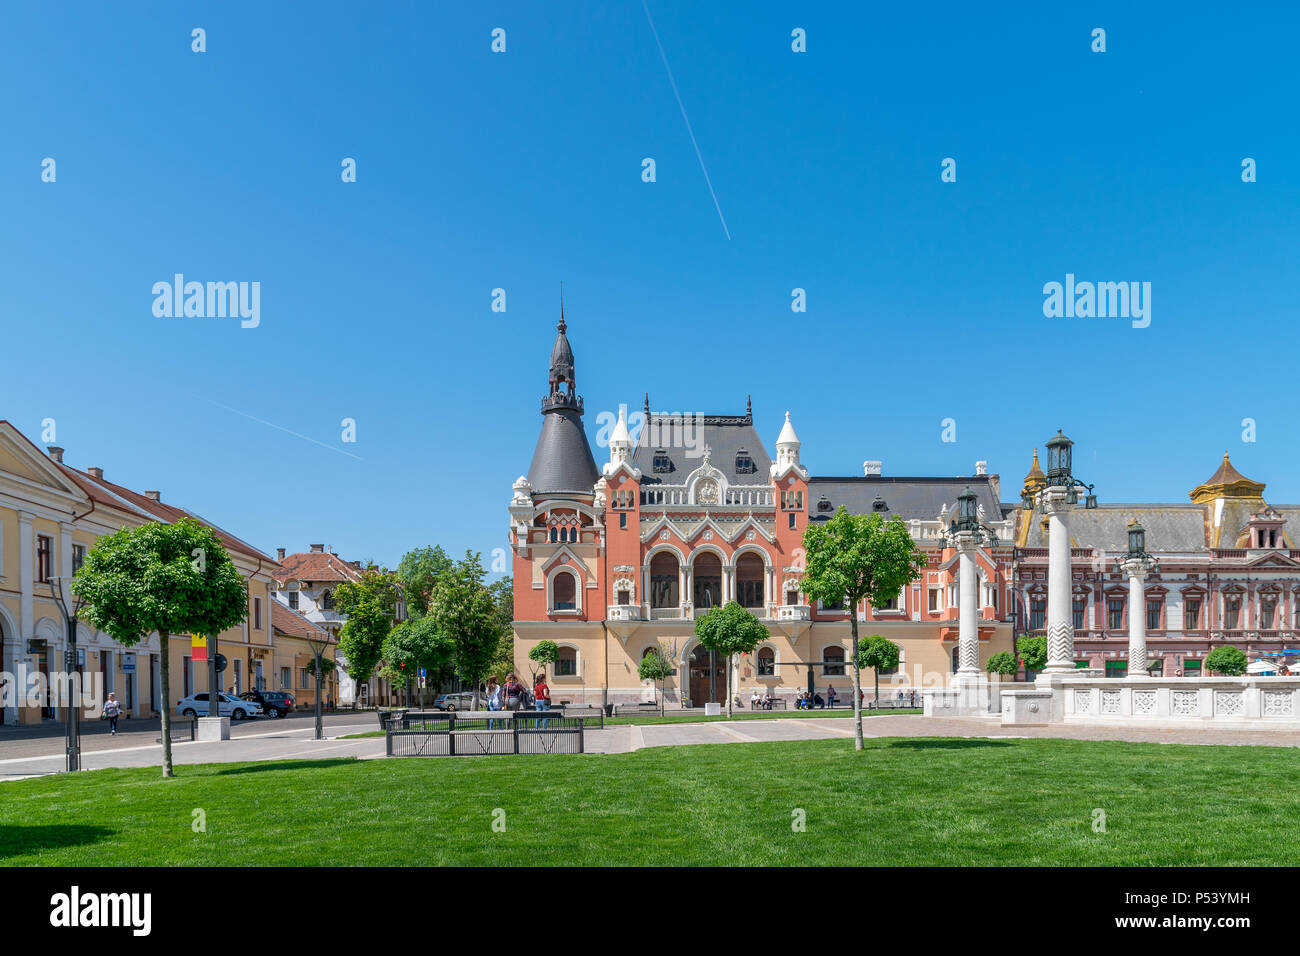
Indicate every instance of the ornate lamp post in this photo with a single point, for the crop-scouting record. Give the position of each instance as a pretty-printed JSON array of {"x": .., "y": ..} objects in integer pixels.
[
  {"x": 70, "y": 604},
  {"x": 1058, "y": 497},
  {"x": 1136, "y": 564},
  {"x": 967, "y": 533}
]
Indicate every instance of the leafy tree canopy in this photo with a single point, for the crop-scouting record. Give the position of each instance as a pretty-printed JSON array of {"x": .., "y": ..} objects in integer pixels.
[
  {"x": 1003, "y": 662},
  {"x": 1033, "y": 651},
  {"x": 416, "y": 644},
  {"x": 171, "y": 578},
  {"x": 370, "y": 604},
  {"x": 467, "y": 611},
  {"x": 730, "y": 629},
  {"x": 1226, "y": 660},
  {"x": 878, "y": 653},
  {"x": 419, "y": 571}
]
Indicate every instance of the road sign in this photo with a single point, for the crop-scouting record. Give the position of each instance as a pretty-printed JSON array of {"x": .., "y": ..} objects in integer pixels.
[
  {"x": 128, "y": 663},
  {"x": 221, "y": 663}
]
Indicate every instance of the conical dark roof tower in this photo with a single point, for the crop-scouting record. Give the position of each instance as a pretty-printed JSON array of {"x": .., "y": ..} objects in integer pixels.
[{"x": 562, "y": 461}]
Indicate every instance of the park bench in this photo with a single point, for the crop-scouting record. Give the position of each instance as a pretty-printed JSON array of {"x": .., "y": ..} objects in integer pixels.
[{"x": 632, "y": 710}]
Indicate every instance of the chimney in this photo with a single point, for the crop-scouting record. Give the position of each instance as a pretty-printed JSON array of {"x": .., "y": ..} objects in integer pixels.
[
  {"x": 279, "y": 554},
  {"x": 95, "y": 472},
  {"x": 153, "y": 495},
  {"x": 56, "y": 453},
  {"x": 996, "y": 482},
  {"x": 318, "y": 549},
  {"x": 870, "y": 468},
  {"x": 981, "y": 468}
]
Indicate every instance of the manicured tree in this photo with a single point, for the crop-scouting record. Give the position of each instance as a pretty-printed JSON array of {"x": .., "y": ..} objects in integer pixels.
[
  {"x": 729, "y": 630},
  {"x": 1003, "y": 662},
  {"x": 545, "y": 654},
  {"x": 370, "y": 604},
  {"x": 656, "y": 666},
  {"x": 467, "y": 611},
  {"x": 1033, "y": 652},
  {"x": 879, "y": 653},
  {"x": 418, "y": 571},
  {"x": 856, "y": 557},
  {"x": 413, "y": 645},
  {"x": 169, "y": 578},
  {"x": 1226, "y": 660}
]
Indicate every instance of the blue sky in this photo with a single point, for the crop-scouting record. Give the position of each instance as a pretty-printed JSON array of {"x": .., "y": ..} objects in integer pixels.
[{"x": 523, "y": 169}]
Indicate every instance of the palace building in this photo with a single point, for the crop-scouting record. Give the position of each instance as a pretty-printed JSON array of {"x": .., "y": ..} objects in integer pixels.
[
  {"x": 1228, "y": 573},
  {"x": 613, "y": 560}
]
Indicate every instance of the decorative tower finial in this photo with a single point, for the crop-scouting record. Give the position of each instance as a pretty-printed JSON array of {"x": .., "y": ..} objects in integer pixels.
[
  {"x": 562, "y": 327},
  {"x": 749, "y": 408},
  {"x": 647, "y": 404}
]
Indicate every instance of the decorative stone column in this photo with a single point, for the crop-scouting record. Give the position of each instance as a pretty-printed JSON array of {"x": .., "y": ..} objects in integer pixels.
[
  {"x": 968, "y": 643},
  {"x": 1060, "y": 628},
  {"x": 1136, "y": 569}
]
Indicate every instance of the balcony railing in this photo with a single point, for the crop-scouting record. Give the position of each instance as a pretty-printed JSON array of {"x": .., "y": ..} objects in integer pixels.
[
  {"x": 794, "y": 612},
  {"x": 625, "y": 612},
  {"x": 670, "y": 613}
]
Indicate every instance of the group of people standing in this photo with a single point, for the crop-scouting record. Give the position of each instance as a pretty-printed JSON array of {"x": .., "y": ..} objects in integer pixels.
[{"x": 513, "y": 695}]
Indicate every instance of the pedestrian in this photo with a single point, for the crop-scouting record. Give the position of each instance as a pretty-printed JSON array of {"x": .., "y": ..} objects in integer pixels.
[
  {"x": 830, "y": 695},
  {"x": 112, "y": 710},
  {"x": 494, "y": 699},
  {"x": 541, "y": 697},
  {"x": 514, "y": 691}
]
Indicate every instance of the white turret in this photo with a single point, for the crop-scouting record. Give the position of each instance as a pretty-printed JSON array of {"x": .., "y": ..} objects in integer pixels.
[
  {"x": 620, "y": 440},
  {"x": 787, "y": 451}
]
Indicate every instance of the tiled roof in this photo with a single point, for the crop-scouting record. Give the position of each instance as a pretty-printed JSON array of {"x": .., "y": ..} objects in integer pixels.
[
  {"x": 288, "y": 621},
  {"x": 316, "y": 566},
  {"x": 106, "y": 492}
]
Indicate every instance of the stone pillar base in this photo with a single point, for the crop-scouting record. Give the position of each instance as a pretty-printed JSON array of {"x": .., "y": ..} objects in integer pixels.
[
  {"x": 213, "y": 728},
  {"x": 713, "y": 710},
  {"x": 964, "y": 698},
  {"x": 1032, "y": 707}
]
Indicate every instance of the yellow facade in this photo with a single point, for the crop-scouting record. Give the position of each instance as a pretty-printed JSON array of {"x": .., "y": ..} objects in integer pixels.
[{"x": 47, "y": 508}]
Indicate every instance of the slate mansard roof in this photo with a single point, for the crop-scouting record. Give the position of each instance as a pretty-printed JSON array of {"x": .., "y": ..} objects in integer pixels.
[
  {"x": 683, "y": 437},
  {"x": 909, "y": 498}
]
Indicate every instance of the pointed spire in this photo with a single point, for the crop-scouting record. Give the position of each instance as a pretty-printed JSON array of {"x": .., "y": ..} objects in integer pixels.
[
  {"x": 562, "y": 327},
  {"x": 647, "y": 404},
  {"x": 749, "y": 408}
]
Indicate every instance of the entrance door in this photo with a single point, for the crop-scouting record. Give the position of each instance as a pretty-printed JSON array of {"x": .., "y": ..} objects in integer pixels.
[{"x": 705, "y": 665}]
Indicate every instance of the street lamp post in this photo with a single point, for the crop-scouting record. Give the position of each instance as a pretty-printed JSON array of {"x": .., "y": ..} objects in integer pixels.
[
  {"x": 1136, "y": 564},
  {"x": 1058, "y": 497},
  {"x": 70, "y": 605},
  {"x": 318, "y": 648},
  {"x": 967, "y": 533}
]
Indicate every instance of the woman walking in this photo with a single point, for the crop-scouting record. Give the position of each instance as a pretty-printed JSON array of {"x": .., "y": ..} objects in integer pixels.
[
  {"x": 112, "y": 710},
  {"x": 541, "y": 697},
  {"x": 494, "y": 698}
]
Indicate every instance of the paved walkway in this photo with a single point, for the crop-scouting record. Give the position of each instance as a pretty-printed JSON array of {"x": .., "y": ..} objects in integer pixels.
[{"x": 291, "y": 740}]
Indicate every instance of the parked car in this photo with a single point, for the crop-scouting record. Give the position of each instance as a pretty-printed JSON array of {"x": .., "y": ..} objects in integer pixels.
[
  {"x": 275, "y": 703},
  {"x": 460, "y": 701},
  {"x": 228, "y": 705}
]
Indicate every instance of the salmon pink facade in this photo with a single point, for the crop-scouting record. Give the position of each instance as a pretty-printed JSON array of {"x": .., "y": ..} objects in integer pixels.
[{"x": 614, "y": 561}]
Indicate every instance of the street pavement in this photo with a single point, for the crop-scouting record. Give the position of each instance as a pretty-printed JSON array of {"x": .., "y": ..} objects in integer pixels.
[{"x": 291, "y": 739}]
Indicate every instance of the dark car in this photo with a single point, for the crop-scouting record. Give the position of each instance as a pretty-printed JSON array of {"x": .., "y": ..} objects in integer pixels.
[{"x": 275, "y": 703}]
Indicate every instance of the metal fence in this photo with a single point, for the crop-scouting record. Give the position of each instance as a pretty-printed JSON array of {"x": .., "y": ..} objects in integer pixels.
[
  {"x": 182, "y": 729},
  {"x": 514, "y": 732}
]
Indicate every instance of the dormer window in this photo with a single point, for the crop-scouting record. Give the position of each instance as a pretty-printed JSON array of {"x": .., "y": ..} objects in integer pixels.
[
  {"x": 744, "y": 463},
  {"x": 878, "y": 504},
  {"x": 824, "y": 504},
  {"x": 663, "y": 464}
]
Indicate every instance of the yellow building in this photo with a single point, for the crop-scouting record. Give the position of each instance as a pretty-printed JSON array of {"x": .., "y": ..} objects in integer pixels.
[{"x": 50, "y": 516}]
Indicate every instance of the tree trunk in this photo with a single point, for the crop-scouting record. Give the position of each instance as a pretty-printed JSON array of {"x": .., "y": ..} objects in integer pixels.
[
  {"x": 876, "y": 673},
  {"x": 728, "y": 660},
  {"x": 857, "y": 680},
  {"x": 165, "y": 689}
]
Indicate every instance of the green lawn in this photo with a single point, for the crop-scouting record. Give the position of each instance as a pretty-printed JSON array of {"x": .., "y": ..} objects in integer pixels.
[
  {"x": 671, "y": 718},
  {"x": 900, "y": 802}
]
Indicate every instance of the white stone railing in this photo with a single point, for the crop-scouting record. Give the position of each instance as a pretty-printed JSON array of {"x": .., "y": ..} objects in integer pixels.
[
  {"x": 1194, "y": 700},
  {"x": 793, "y": 612},
  {"x": 668, "y": 614},
  {"x": 625, "y": 612}
]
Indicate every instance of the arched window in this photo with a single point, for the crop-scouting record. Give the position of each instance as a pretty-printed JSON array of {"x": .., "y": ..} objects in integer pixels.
[
  {"x": 766, "y": 662},
  {"x": 664, "y": 579},
  {"x": 567, "y": 665},
  {"x": 833, "y": 658},
  {"x": 564, "y": 592},
  {"x": 749, "y": 580},
  {"x": 708, "y": 581},
  {"x": 327, "y": 600},
  {"x": 555, "y": 535}
]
